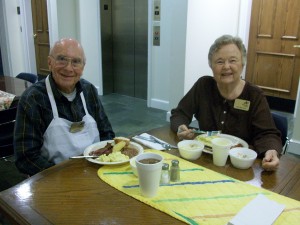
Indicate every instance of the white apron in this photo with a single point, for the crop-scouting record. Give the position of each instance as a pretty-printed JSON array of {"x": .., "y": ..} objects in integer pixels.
[{"x": 59, "y": 142}]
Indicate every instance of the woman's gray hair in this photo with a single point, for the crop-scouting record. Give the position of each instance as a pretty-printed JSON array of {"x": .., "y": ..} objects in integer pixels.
[{"x": 225, "y": 40}]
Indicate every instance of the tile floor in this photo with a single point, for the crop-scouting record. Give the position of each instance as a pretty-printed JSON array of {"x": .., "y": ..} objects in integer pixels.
[{"x": 128, "y": 116}]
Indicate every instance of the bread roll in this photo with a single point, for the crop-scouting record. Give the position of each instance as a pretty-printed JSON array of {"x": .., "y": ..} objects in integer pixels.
[{"x": 119, "y": 139}]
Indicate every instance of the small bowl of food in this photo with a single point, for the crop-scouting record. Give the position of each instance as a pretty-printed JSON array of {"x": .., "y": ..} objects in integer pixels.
[
  {"x": 242, "y": 158},
  {"x": 190, "y": 149},
  {"x": 133, "y": 166}
]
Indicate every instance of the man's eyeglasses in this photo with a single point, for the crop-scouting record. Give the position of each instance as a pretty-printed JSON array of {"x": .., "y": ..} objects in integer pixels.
[{"x": 62, "y": 61}]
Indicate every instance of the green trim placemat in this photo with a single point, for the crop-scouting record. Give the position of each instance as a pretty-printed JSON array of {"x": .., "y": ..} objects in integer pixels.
[{"x": 201, "y": 197}]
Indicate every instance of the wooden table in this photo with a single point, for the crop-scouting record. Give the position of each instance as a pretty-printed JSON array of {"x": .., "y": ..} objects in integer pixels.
[{"x": 72, "y": 193}]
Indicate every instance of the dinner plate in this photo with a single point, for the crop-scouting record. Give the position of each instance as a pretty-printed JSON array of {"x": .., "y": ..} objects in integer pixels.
[
  {"x": 102, "y": 144},
  {"x": 235, "y": 140}
]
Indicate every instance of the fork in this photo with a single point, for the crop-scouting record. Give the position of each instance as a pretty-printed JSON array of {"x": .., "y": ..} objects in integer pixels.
[{"x": 208, "y": 133}]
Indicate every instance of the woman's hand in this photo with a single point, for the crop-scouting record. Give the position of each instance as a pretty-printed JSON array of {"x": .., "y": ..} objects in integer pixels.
[
  {"x": 184, "y": 132},
  {"x": 271, "y": 161}
]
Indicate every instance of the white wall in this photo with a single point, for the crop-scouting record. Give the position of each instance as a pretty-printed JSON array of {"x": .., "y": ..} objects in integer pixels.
[
  {"x": 167, "y": 61},
  {"x": 294, "y": 146},
  {"x": 89, "y": 36},
  {"x": 11, "y": 38},
  {"x": 67, "y": 16},
  {"x": 200, "y": 34}
]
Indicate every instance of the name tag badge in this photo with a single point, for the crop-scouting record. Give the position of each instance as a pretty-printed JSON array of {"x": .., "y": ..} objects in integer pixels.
[
  {"x": 76, "y": 127},
  {"x": 241, "y": 104}
]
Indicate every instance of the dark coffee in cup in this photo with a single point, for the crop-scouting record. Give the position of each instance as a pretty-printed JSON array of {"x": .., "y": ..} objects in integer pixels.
[{"x": 149, "y": 161}]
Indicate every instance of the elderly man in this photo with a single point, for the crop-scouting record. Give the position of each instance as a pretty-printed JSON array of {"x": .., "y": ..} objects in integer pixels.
[{"x": 60, "y": 116}]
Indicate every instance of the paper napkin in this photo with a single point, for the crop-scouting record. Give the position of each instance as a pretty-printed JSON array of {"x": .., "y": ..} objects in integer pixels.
[
  {"x": 149, "y": 144},
  {"x": 260, "y": 211}
]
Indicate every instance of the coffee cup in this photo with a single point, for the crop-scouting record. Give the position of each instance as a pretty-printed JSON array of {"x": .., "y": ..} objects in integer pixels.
[
  {"x": 221, "y": 147},
  {"x": 149, "y": 166}
]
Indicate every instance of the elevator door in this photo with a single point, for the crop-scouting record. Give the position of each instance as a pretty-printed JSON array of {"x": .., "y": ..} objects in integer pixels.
[{"x": 124, "y": 30}]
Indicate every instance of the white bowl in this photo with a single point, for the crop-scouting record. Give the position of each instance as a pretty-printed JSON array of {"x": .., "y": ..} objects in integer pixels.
[
  {"x": 190, "y": 149},
  {"x": 133, "y": 166},
  {"x": 242, "y": 158}
]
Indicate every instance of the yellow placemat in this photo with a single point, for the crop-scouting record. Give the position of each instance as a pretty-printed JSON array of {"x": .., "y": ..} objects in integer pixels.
[{"x": 201, "y": 197}]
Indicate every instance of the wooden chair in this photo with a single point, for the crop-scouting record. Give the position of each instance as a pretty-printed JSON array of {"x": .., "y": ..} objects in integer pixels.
[{"x": 7, "y": 123}]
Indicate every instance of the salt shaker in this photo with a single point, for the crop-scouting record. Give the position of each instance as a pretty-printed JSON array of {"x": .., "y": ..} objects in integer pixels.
[
  {"x": 175, "y": 171},
  {"x": 165, "y": 174}
]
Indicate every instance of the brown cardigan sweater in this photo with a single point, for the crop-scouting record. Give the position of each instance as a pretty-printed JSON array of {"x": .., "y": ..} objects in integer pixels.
[{"x": 213, "y": 112}]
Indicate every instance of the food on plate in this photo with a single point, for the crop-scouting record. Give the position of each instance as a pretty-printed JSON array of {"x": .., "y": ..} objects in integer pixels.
[
  {"x": 207, "y": 141},
  {"x": 107, "y": 149},
  {"x": 237, "y": 145},
  {"x": 113, "y": 157},
  {"x": 130, "y": 152},
  {"x": 115, "y": 151},
  {"x": 119, "y": 139},
  {"x": 117, "y": 147}
]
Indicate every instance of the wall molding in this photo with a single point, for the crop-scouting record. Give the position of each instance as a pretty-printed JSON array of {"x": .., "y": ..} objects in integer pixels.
[{"x": 293, "y": 147}]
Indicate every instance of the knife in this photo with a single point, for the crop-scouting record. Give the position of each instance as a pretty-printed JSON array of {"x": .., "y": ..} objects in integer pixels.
[{"x": 83, "y": 156}]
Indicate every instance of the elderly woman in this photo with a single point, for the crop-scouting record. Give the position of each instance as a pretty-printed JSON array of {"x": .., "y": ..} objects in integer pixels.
[{"x": 227, "y": 103}]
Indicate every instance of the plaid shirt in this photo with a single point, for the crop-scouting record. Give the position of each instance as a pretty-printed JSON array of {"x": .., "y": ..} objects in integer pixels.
[{"x": 35, "y": 114}]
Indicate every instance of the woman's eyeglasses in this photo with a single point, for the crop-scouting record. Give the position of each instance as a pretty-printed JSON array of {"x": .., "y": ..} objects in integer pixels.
[{"x": 62, "y": 61}]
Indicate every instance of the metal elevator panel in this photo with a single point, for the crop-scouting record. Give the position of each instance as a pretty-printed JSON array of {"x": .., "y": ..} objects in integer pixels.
[
  {"x": 106, "y": 44},
  {"x": 141, "y": 48},
  {"x": 124, "y": 31}
]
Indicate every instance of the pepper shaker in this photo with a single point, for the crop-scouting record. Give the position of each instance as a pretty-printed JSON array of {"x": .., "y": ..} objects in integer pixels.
[
  {"x": 165, "y": 174},
  {"x": 175, "y": 171}
]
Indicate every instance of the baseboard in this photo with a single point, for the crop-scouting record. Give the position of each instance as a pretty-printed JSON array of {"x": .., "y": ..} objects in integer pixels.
[
  {"x": 293, "y": 147},
  {"x": 281, "y": 104},
  {"x": 159, "y": 104}
]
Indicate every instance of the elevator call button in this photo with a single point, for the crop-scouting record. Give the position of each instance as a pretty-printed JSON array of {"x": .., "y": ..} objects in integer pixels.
[{"x": 156, "y": 35}]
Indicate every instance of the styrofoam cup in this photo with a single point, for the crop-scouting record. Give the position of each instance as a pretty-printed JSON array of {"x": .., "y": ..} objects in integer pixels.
[
  {"x": 220, "y": 147},
  {"x": 149, "y": 174}
]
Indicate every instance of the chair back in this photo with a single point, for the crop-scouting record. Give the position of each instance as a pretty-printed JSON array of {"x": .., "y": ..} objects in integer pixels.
[
  {"x": 282, "y": 125},
  {"x": 28, "y": 77},
  {"x": 7, "y": 124}
]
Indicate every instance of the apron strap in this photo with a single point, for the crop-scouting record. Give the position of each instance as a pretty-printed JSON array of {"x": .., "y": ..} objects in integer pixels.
[
  {"x": 51, "y": 97},
  {"x": 84, "y": 103}
]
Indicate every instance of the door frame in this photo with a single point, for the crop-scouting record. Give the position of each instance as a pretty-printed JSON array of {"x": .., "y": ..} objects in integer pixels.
[{"x": 27, "y": 37}]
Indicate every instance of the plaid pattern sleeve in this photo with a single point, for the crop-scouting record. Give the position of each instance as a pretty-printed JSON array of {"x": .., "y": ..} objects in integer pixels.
[{"x": 35, "y": 114}]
